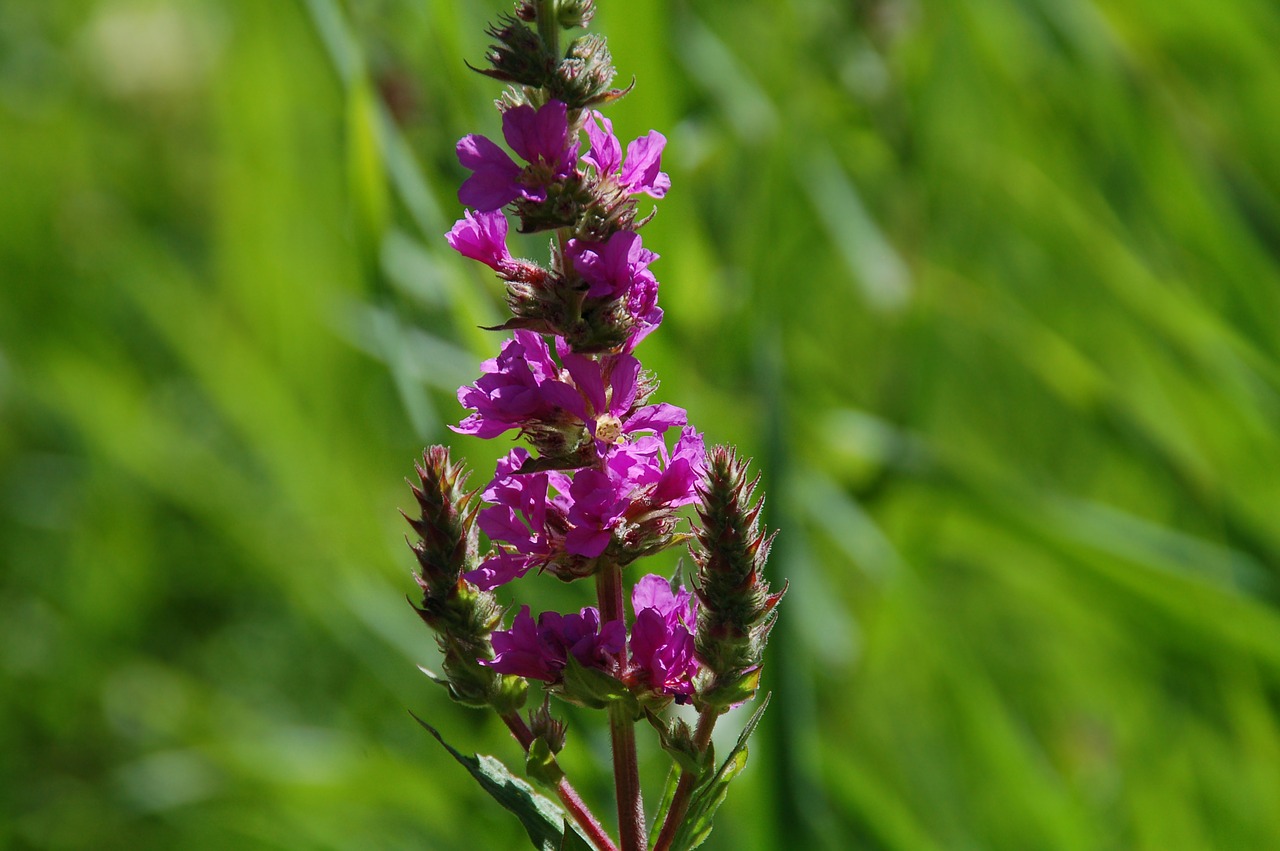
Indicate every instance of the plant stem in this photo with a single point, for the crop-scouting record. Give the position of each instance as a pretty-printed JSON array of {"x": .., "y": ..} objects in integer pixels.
[
  {"x": 688, "y": 780},
  {"x": 622, "y": 731},
  {"x": 573, "y": 803},
  {"x": 549, "y": 27},
  {"x": 626, "y": 779}
]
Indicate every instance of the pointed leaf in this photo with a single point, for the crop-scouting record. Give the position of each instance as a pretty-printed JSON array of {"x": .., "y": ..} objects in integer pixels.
[
  {"x": 711, "y": 794},
  {"x": 542, "y": 818}
]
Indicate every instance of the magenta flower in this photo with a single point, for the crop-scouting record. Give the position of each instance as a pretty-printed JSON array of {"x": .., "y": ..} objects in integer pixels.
[
  {"x": 613, "y": 269},
  {"x": 658, "y": 479},
  {"x": 599, "y": 502},
  {"x": 640, "y": 172},
  {"x": 661, "y": 643},
  {"x": 524, "y": 517},
  {"x": 541, "y": 651},
  {"x": 511, "y": 392},
  {"x": 483, "y": 237},
  {"x": 604, "y": 395},
  {"x": 539, "y": 137},
  {"x": 619, "y": 268}
]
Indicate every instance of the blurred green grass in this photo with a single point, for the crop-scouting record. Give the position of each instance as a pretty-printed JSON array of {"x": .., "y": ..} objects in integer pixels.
[{"x": 990, "y": 291}]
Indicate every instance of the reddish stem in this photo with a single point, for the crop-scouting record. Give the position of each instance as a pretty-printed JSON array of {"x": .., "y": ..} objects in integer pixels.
[
  {"x": 622, "y": 731},
  {"x": 568, "y": 795},
  {"x": 684, "y": 788}
]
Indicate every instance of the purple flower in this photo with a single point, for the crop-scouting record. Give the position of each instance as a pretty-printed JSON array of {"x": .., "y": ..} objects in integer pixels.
[
  {"x": 510, "y": 394},
  {"x": 677, "y": 485},
  {"x": 599, "y": 502},
  {"x": 540, "y": 137},
  {"x": 661, "y": 643},
  {"x": 522, "y": 516},
  {"x": 615, "y": 268},
  {"x": 640, "y": 172},
  {"x": 660, "y": 480},
  {"x": 541, "y": 651},
  {"x": 619, "y": 268},
  {"x": 483, "y": 237},
  {"x": 604, "y": 395},
  {"x": 495, "y": 181}
]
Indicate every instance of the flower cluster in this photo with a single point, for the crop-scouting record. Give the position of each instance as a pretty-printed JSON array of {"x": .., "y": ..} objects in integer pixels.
[
  {"x": 604, "y": 486},
  {"x": 597, "y": 292},
  {"x": 607, "y": 470},
  {"x": 660, "y": 649}
]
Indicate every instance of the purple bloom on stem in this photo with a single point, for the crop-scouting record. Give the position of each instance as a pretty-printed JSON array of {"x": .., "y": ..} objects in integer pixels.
[
  {"x": 522, "y": 516},
  {"x": 510, "y": 394},
  {"x": 661, "y": 644},
  {"x": 540, "y": 137},
  {"x": 519, "y": 651},
  {"x": 483, "y": 237},
  {"x": 654, "y": 592},
  {"x": 607, "y": 405},
  {"x": 659, "y": 479},
  {"x": 599, "y": 503},
  {"x": 640, "y": 172},
  {"x": 613, "y": 269},
  {"x": 495, "y": 181},
  {"x": 619, "y": 268},
  {"x": 541, "y": 651},
  {"x": 677, "y": 485}
]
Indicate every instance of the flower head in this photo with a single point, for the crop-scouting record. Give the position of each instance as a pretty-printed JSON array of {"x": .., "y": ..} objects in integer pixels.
[
  {"x": 661, "y": 643},
  {"x": 541, "y": 137},
  {"x": 540, "y": 651},
  {"x": 640, "y": 171},
  {"x": 483, "y": 237},
  {"x": 510, "y": 393},
  {"x": 605, "y": 395}
]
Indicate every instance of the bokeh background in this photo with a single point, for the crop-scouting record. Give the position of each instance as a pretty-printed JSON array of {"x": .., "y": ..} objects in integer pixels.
[{"x": 990, "y": 291}]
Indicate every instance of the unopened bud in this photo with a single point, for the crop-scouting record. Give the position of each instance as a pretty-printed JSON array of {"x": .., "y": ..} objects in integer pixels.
[{"x": 737, "y": 609}]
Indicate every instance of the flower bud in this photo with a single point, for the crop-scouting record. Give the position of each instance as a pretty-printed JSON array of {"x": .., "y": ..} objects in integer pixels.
[
  {"x": 462, "y": 616},
  {"x": 518, "y": 55},
  {"x": 583, "y": 77},
  {"x": 737, "y": 610},
  {"x": 575, "y": 13}
]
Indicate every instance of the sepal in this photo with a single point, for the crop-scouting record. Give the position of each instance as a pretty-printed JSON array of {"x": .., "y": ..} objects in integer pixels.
[{"x": 593, "y": 688}]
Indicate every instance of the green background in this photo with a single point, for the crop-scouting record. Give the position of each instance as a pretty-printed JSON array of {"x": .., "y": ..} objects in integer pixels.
[{"x": 989, "y": 290}]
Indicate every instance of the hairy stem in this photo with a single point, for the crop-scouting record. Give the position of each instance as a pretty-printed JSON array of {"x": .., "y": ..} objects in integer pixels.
[
  {"x": 573, "y": 802},
  {"x": 688, "y": 780},
  {"x": 626, "y": 768}
]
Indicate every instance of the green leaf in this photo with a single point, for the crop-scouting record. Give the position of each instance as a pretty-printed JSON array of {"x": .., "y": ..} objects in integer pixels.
[
  {"x": 664, "y": 805},
  {"x": 542, "y": 818},
  {"x": 708, "y": 797},
  {"x": 594, "y": 689}
]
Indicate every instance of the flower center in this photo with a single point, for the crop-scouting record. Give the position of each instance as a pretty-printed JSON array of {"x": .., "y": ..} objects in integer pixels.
[{"x": 608, "y": 428}]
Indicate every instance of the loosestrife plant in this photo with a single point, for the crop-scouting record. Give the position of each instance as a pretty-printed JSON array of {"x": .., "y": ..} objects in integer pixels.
[{"x": 607, "y": 477}]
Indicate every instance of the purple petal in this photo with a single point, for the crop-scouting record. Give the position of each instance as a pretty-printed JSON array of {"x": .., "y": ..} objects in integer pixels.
[
  {"x": 586, "y": 374},
  {"x": 622, "y": 381},
  {"x": 541, "y": 135},
  {"x": 606, "y": 150},
  {"x": 657, "y": 418},
  {"x": 483, "y": 237},
  {"x": 641, "y": 170},
  {"x": 498, "y": 570},
  {"x": 495, "y": 181}
]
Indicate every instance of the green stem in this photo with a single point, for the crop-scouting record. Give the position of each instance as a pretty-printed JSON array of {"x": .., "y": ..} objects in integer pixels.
[
  {"x": 549, "y": 26},
  {"x": 622, "y": 730},
  {"x": 688, "y": 780}
]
